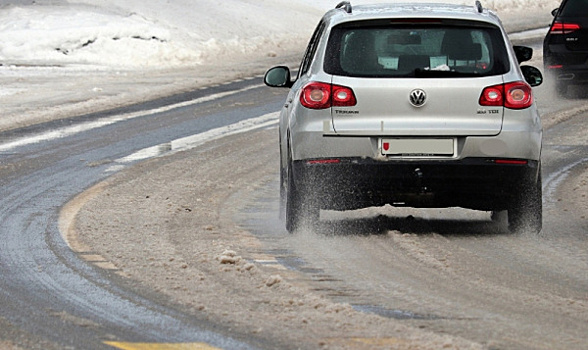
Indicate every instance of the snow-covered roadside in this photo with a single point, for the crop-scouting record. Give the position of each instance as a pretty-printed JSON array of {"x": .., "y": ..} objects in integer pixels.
[{"x": 64, "y": 58}]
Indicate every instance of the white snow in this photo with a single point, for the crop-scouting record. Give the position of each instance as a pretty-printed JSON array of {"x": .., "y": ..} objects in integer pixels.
[
  {"x": 61, "y": 58},
  {"x": 162, "y": 34}
]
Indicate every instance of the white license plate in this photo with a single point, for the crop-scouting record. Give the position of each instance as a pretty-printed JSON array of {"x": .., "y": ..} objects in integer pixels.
[{"x": 424, "y": 147}]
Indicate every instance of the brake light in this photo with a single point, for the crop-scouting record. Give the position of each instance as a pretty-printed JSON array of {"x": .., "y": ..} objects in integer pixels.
[
  {"x": 417, "y": 20},
  {"x": 317, "y": 95},
  {"x": 563, "y": 28},
  {"x": 515, "y": 95}
]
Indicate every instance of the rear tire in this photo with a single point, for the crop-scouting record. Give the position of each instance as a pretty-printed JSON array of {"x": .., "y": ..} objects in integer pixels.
[
  {"x": 526, "y": 213},
  {"x": 292, "y": 199},
  {"x": 499, "y": 216},
  {"x": 561, "y": 89},
  {"x": 283, "y": 185},
  {"x": 300, "y": 208}
]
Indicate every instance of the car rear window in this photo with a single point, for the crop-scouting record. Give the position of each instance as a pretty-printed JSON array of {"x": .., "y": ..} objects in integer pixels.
[
  {"x": 575, "y": 8},
  {"x": 415, "y": 48}
]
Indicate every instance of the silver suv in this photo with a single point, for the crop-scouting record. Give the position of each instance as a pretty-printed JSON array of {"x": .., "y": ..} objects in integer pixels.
[{"x": 410, "y": 105}]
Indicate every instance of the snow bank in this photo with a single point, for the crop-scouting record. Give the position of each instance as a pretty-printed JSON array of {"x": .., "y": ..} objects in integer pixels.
[
  {"x": 163, "y": 34},
  {"x": 39, "y": 35}
]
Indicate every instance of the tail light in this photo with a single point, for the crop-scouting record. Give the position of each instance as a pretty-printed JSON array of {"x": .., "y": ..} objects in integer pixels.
[
  {"x": 563, "y": 28},
  {"x": 317, "y": 95},
  {"x": 515, "y": 95}
]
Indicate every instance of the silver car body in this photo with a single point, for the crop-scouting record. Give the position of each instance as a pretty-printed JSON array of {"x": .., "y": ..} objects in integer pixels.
[
  {"x": 384, "y": 110},
  {"x": 385, "y": 127}
]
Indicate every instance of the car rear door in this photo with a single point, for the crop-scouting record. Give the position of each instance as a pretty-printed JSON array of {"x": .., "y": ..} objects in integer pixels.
[{"x": 421, "y": 78}]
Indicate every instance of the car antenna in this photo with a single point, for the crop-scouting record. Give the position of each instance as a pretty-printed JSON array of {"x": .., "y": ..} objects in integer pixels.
[
  {"x": 346, "y": 5},
  {"x": 479, "y": 6}
]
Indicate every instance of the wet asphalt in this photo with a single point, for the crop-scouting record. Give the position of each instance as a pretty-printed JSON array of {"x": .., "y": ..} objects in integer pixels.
[
  {"x": 48, "y": 295},
  {"x": 52, "y": 299}
]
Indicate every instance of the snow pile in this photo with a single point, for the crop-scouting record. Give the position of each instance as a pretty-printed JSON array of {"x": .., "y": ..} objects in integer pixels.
[
  {"x": 39, "y": 35},
  {"x": 164, "y": 34},
  {"x": 140, "y": 34}
]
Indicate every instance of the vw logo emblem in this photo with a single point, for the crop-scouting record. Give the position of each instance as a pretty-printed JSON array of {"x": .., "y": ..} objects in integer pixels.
[{"x": 417, "y": 97}]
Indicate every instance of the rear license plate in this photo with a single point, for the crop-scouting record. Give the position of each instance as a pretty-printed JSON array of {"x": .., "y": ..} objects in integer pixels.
[{"x": 425, "y": 147}]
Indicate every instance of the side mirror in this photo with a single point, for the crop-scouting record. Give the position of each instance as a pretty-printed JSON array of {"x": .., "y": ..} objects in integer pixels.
[
  {"x": 278, "y": 77},
  {"x": 554, "y": 12},
  {"x": 523, "y": 53},
  {"x": 532, "y": 75}
]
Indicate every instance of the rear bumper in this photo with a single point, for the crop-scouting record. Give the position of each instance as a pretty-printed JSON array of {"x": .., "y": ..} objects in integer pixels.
[
  {"x": 569, "y": 74},
  {"x": 353, "y": 183}
]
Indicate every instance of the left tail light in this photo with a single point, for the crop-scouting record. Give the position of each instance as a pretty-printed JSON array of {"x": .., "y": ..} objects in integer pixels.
[
  {"x": 515, "y": 95},
  {"x": 317, "y": 95}
]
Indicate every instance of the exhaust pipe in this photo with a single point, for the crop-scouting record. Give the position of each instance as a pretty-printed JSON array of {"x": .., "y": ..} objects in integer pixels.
[{"x": 568, "y": 76}]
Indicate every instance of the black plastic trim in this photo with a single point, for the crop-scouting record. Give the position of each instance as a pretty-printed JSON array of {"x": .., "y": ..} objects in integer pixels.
[{"x": 476, "y": 183}]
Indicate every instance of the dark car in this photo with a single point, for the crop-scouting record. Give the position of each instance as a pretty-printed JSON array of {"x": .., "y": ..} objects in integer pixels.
[{"x": 565, "y": 48}]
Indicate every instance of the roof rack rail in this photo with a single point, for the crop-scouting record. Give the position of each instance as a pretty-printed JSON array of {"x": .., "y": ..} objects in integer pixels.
[
  {"x": 346, "y": 5},
  {"x": 479, "y": 6}
]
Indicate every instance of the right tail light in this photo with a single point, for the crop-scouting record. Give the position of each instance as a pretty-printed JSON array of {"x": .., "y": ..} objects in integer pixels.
[{"x": 515, "y": 95}]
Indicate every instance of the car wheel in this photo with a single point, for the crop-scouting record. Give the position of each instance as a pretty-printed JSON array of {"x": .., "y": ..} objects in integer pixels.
[
  {"x": 561, "y": 89},
  {"x": 283, "y": 185},
  {"x": 300, "y": 208},
  {"x": 498, "y": 216},
  {"x": 526, "y": 213}
]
